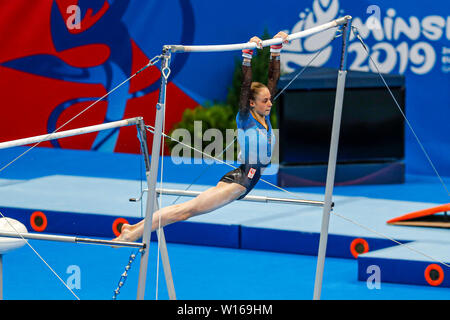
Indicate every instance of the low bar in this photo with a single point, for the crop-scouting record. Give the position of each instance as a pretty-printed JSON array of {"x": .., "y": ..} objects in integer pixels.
[
  {"x": 69, "y": 133},
  {"x": 50, "y": 237},
  {"x": 189, "y": 193},
  {"x": 266, "y": 43}
]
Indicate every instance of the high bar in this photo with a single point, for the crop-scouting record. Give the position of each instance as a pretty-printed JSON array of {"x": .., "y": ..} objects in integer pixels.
[
  {"x": 189, "y": 193},
  {"x": 50, "y": 237},
  {"x": 69, "y": 133},
  {"x": 252, "y": 45}
]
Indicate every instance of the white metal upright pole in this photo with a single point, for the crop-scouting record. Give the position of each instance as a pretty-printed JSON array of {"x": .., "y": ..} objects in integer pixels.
[
  {"x": 1, "y": 276},
  {"x": 160, "y": 233},
  {"x": 152, "y": 171},
  {"x": 338, "y": 105},
  {"x": 165, "y": 261}
]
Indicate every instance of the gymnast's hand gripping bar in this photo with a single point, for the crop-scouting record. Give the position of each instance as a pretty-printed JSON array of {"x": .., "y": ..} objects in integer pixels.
[{"x": 266, "y": 43}]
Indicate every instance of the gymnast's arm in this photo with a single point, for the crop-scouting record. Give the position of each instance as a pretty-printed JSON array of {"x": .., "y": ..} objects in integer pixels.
[
  {"x": 274, "y": 74},
  {"x": 244, "y": 103},
  {"x": 247, "y": 54},
  {"x": 274, "y": 64}
]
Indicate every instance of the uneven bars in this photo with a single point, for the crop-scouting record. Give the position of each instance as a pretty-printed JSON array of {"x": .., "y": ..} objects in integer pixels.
[
  {"x": 50, "y": 237},
  {"x": 69, "y": 133},
  {"x": 189, "y": 193},
  {"x": 265, "y": 43}
]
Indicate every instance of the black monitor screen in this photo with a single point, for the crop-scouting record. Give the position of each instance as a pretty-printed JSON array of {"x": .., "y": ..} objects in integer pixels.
[{"x": 372, "y": 127}]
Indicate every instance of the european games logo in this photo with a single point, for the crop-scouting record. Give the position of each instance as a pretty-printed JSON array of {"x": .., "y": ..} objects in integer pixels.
[{"x": 401, "y": 44}]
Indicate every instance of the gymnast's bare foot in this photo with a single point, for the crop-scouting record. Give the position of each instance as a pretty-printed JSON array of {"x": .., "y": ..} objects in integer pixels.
[{"x": 126, "y": 234}]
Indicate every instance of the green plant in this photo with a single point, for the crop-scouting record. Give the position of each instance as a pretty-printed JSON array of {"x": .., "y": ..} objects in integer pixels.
[{"x": 217, "y": 116}]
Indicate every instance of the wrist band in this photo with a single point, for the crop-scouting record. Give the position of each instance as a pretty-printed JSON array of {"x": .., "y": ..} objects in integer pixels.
[
  {"x": 247, "y": 53},
  {"x": 276, "y": 48}
]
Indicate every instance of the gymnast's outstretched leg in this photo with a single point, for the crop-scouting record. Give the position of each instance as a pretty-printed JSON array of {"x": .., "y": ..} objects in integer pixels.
[
  {"x": 209, "y": 200},
  {"x": 255, "y": 103}
]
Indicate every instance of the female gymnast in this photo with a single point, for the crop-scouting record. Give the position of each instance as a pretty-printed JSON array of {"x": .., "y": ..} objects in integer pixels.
[{"x": 254, "y": 134}]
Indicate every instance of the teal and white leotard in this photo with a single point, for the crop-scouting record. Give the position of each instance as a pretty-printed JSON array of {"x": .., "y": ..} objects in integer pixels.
[{"x": 255, "y": 141}]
